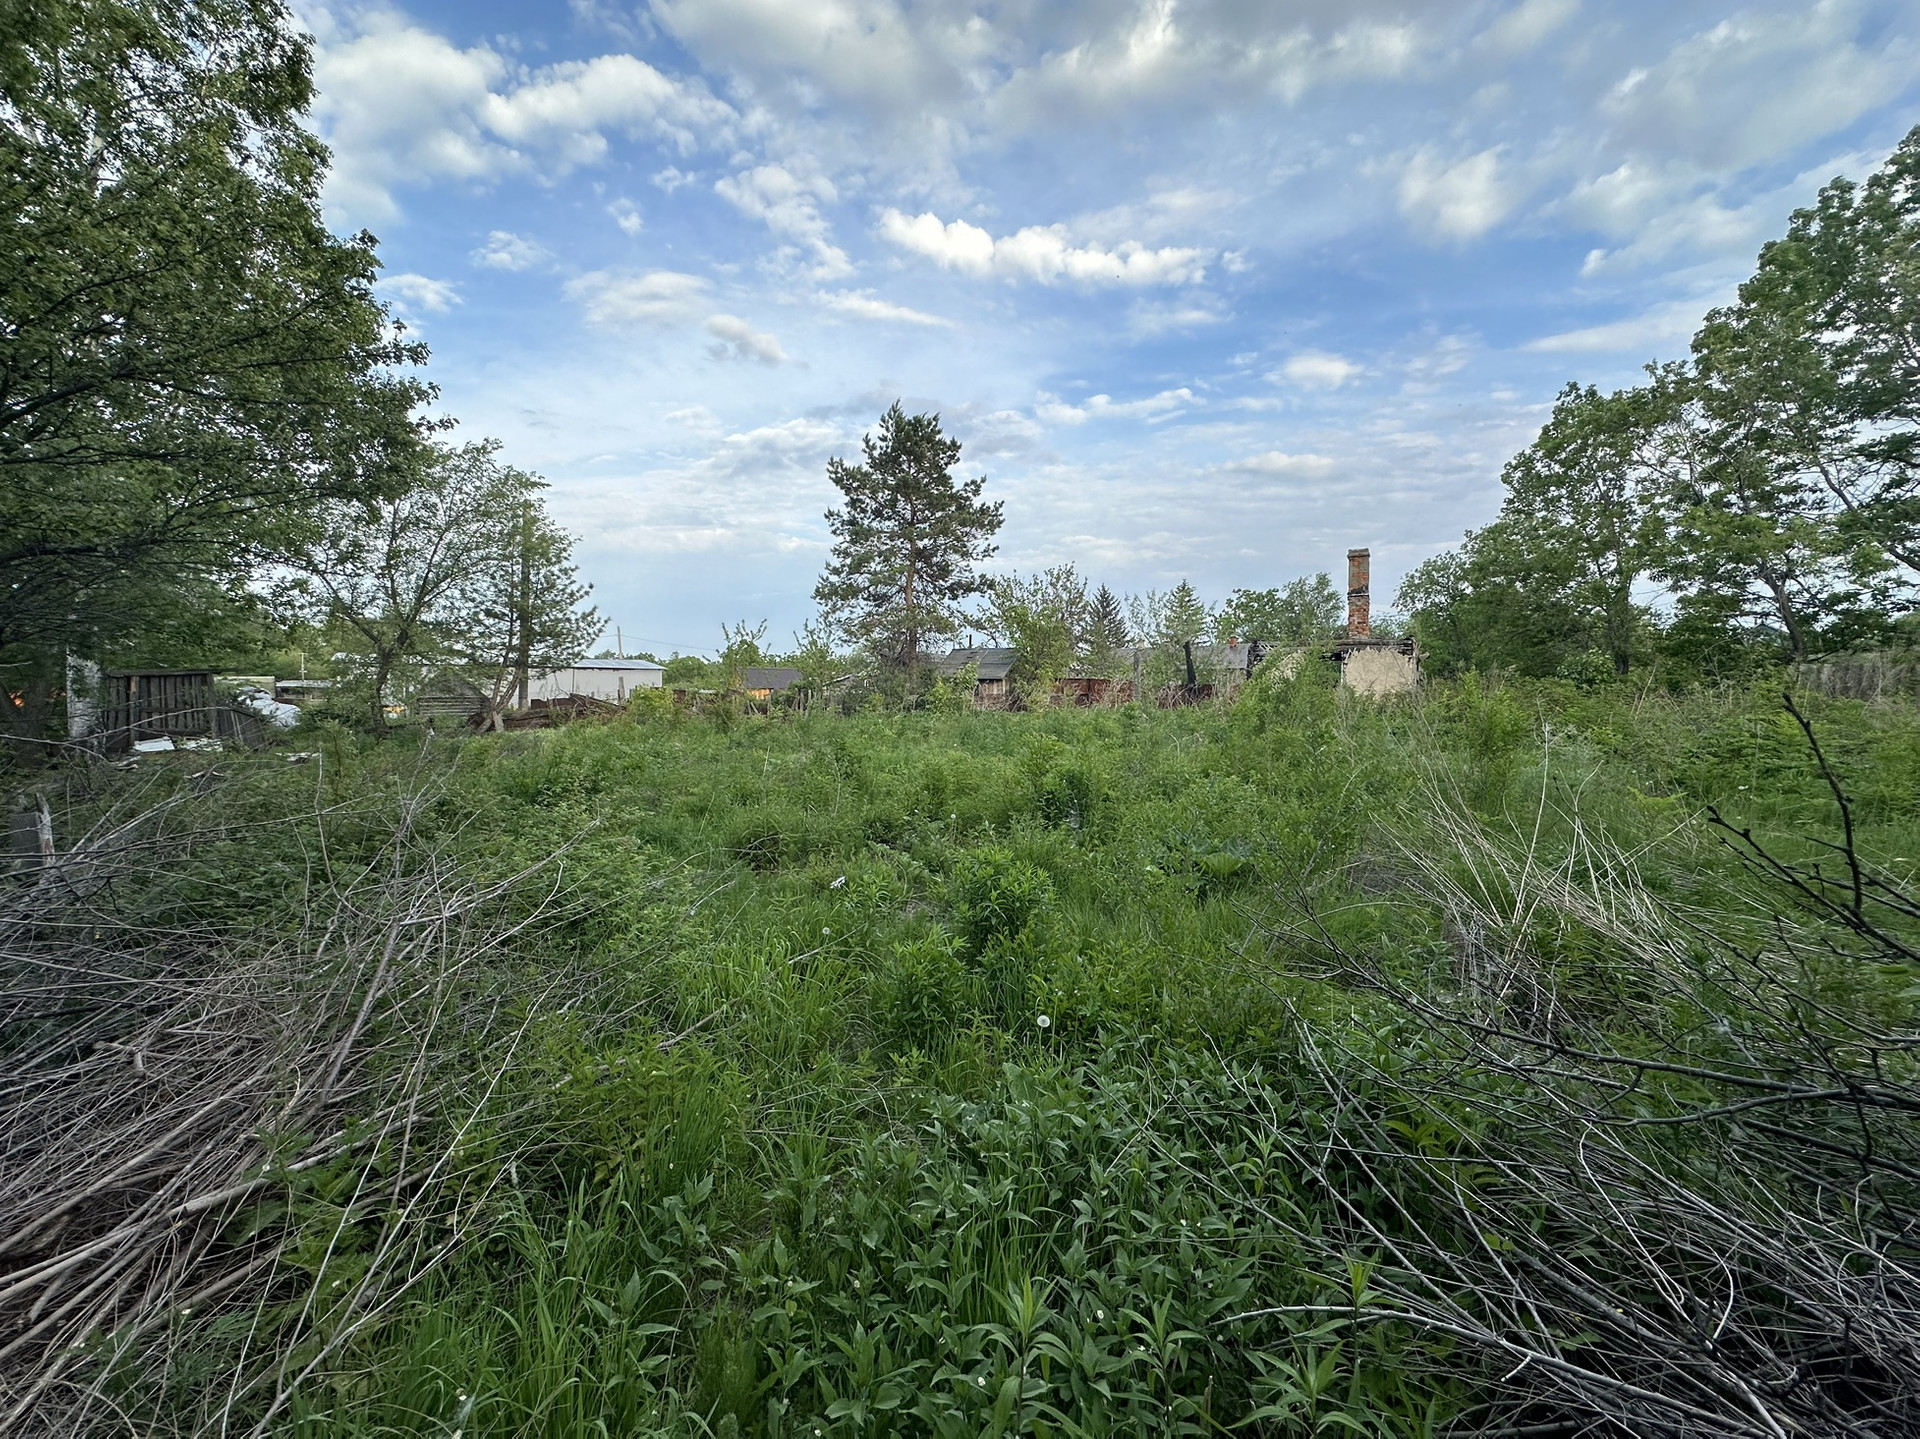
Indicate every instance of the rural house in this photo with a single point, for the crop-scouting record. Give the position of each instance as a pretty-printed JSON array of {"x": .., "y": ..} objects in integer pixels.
[
  {"x": 763, "y": 682},
  {"x": 993, "y": 663}
]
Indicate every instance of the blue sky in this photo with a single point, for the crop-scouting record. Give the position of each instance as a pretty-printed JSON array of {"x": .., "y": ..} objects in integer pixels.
[{"x": 1208, "y": 290}]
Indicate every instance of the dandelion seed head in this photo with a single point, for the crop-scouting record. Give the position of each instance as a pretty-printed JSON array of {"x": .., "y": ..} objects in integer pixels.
[{"x": 1044, "y": 1022}]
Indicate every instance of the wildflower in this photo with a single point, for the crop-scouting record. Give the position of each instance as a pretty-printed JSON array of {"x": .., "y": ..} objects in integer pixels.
[
  {"x": 1044, "y": 1022},
  {"x": 826, "y": 931},
  {"x": 1099, "y": 1314}
]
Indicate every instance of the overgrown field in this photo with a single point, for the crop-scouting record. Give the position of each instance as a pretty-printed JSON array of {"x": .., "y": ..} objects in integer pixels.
[{"x": 1305, "y": 1066}]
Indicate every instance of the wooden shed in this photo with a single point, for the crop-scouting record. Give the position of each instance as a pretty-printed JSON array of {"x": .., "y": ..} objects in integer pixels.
[
  {"x": 149, "y": 704},
  {"x": 992, "y": 664}
]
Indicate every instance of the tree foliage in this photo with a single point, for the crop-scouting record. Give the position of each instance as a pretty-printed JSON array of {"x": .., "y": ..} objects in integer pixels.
[
  {"x": 189, "y": 360},
  {"x": 1048, "y": 620},
  {"x": 1304, "y": 611},
  {"x": 1770, "y": 484},
  {"x": 462, "y": 571},
  {"x": 907, "y": 542}
]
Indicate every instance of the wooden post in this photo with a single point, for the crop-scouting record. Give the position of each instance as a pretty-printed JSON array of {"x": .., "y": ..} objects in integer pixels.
[{"x": 31, "y": 833}]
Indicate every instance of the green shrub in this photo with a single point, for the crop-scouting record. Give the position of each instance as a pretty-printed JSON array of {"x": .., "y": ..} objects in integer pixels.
[
  {"x": 994, "y": 896},
  {"x": 923, "y": 995}
]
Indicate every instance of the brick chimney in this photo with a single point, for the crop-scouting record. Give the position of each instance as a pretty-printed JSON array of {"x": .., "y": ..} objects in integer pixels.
[{"x": 1359, "y": 610}]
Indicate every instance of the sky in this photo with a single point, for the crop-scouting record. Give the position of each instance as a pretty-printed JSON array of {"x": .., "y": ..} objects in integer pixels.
[{"x": 1208, "y": 289}]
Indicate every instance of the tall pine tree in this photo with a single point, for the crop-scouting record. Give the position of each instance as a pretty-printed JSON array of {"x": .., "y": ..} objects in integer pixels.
[{"x": 907, "y": 544}]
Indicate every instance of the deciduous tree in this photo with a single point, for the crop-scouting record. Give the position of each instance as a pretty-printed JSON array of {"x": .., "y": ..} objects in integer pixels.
[{"x": 189, "y": 361}]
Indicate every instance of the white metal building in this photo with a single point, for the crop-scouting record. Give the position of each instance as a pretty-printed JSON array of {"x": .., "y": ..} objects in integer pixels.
[{"x": 610, "y": 680}]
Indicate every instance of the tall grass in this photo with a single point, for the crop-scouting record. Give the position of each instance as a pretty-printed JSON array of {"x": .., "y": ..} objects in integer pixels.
[{"x": 1296, "y": 1067}]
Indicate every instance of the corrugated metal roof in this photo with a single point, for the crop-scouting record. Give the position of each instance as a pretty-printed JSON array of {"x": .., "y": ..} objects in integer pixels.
[
  {"x": 994, "y": 661},
  {"x": 769, "y": 677},
  {"x": 613, "y": 665}
]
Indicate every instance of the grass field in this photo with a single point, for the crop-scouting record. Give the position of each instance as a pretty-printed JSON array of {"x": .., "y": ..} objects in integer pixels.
[{"x": 1304, "y": 1066}]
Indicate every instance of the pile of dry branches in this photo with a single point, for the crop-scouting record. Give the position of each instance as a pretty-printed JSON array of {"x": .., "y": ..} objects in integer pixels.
[
  {"x": 171, "y": 1091},
  {"x": 1665, "y": 1177}
]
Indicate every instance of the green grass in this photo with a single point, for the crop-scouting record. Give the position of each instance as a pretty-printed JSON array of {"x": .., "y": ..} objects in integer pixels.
[{"x": 944, "y": 1075}]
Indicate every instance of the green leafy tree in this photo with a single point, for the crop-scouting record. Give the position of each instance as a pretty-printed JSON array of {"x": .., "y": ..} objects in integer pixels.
[
  {"x": 907, "y": 542},
  {"x": 1817, "y": 365},
  {"x": 1185, "y": 617},
  {"x": 519, "y": 612},
  {"x": 739, "y": 648},
  {"x": 1046, "y": 618},
  {"x": 814, "y": 656},
  {"x": 190, "y": 363},
  {"x": 1304, "y": 611},
  {"x": 461, "y": 570},
  {"x": 1557, "y": 578}
]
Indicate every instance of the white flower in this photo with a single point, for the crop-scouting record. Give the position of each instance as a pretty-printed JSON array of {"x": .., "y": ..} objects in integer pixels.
[
  {"x": 838, "y": 883},
  {"x": 826, "y": 931},
  {"x": 1044, "y": 1022}
]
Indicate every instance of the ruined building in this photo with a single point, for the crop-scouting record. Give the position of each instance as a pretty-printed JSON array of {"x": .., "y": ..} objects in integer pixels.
[{"x": 1371, "y": 665}]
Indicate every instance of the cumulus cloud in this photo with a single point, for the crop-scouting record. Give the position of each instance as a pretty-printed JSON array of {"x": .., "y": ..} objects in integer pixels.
[
  {"x": 788, "y": 205},
  {"x": 1454, "y": 201},
  {"x": 414, "y": 293},
  {"x": 659, "y": 297},
  {"x": 1044, "y": 253},
  {"x": 865, "y": 305},
  {"x": 400, "y": 105},
  {"x": 1099, "y": 407},
  {"x": 1316, "y": 370},
  {"x": 505, "y": 250},
  {"x": 627, "y": 216},
  {"x": 740, "y": 341}
]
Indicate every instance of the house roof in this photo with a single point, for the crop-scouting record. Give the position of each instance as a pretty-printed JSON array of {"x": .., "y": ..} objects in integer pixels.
[
  {"x": 994, "y": 661},
  {"x": 769, "y": 677},
  {"x": 614, "y": 665}
]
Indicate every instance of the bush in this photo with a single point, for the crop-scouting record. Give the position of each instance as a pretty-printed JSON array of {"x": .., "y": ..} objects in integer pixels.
[{"x": 996, "y": 897}]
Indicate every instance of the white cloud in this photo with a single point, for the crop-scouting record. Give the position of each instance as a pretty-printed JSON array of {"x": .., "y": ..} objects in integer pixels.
[
  {"x": 1147, "y": 319},
  {"x": 1757, "y": 85},
  {"x": 756, "y": 487},
  {"x": 659, "y": 297},
  {"x": 400, "y": 105},
  {"x": 505, "y": 250},
  {"x": 1456, "y": 201},
  {"x": 414, "y": 293},
  {"x": 1316, "y": 370},
  {"x": 1043, "y": 253},
  {"x": 1665, "y": 330},
  {"x": 672, "y": 178},
  {"x": 789, "y": 205},
  {"x": 627, "y": 216},
  {"x": 867, "y": 306},
  {"x": 740, "y": 341},
  {"x": 1099, "y": 407},
  {"x": 1527, "y": 24},
  {"x": 1280, "y": 462}
]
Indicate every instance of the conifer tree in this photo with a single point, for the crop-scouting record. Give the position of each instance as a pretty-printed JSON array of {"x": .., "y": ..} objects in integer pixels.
[{"x": 908, "y": 542}]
